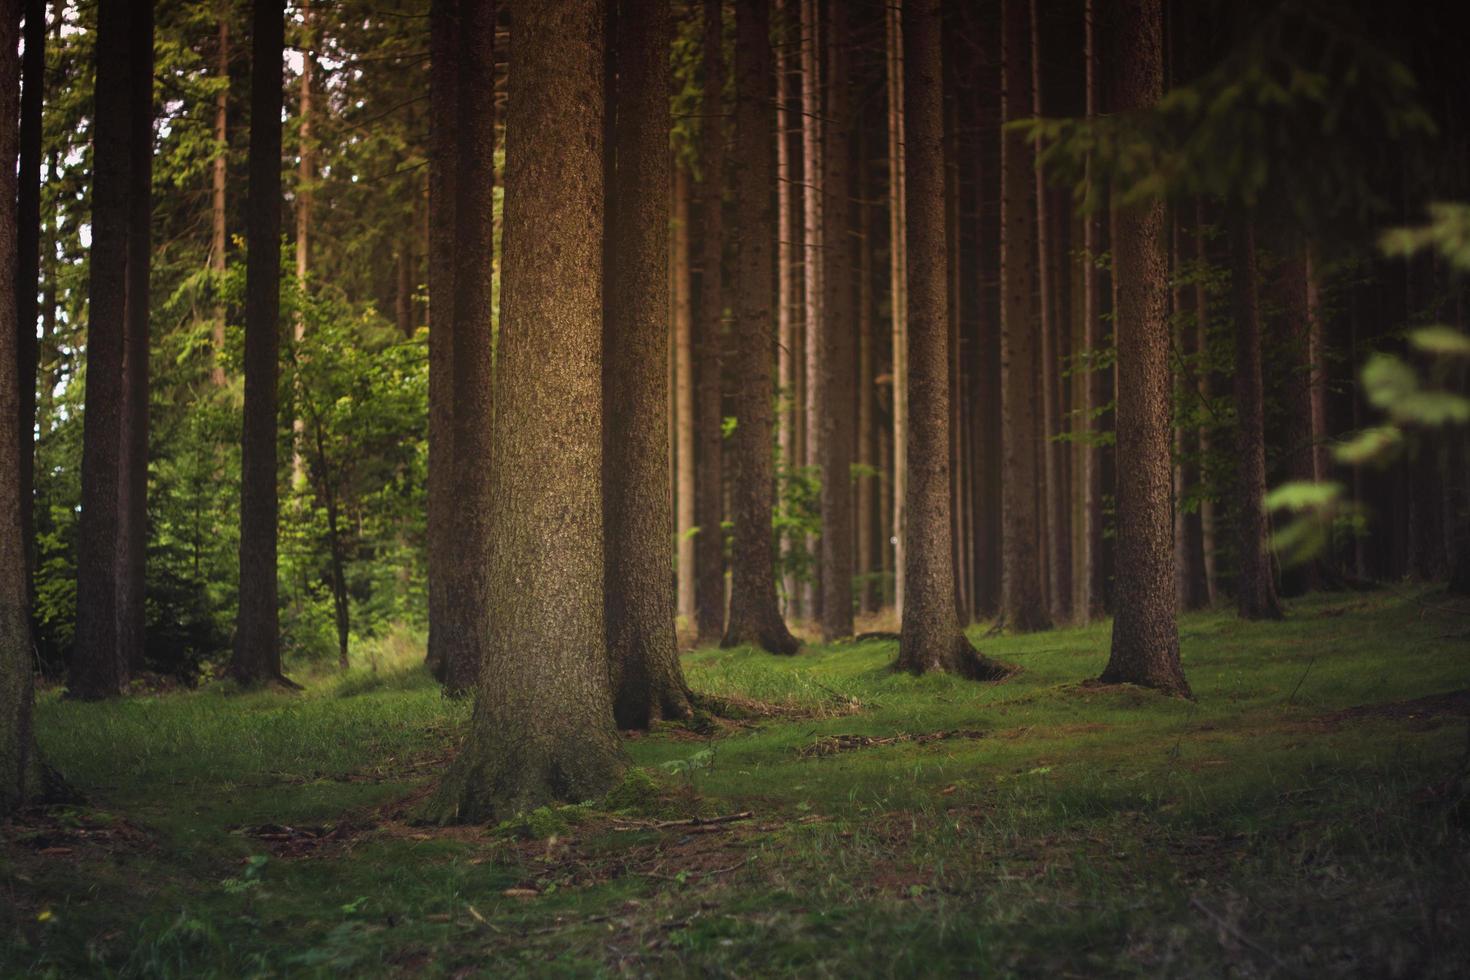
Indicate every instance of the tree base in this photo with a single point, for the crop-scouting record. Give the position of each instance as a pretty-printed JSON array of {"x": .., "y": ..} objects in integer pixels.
[
  {"x": 771, "y": 637},
  {"x": 668, "y": 701},
  {"x": 958, "y": 657}
]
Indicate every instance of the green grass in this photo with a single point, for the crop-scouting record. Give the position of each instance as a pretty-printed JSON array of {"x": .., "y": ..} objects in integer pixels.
[{"x": 1260, "y": 830}]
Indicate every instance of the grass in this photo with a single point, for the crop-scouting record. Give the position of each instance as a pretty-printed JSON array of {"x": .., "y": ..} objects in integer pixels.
[{"x": 1297, "y": 819}]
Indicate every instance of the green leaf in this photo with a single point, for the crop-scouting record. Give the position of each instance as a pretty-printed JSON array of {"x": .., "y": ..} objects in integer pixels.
[{"x": 1441, "y": 340}]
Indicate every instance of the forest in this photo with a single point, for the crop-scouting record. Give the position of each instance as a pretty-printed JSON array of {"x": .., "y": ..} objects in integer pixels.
[{"x": 734, "y": 488}]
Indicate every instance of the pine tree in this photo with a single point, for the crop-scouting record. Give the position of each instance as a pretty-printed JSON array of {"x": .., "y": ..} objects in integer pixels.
[{"x": 28, "y": 264}]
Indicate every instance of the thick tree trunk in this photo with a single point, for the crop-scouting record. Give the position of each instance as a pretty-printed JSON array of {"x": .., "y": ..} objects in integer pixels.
[
  {"x": 257, "y": 655},
  {"x": 754, "y": 616},
  {"x": 647, "y": 684},
  {"x": 443, "y": 163},
  {"x": 98, "y": 666},
  {"x": 1023, "y": 602},
  {"x": 542, "y": 729},
  {"x": 1255, "y": 588},
  {"x": 931, "y": 639},
  {"x": 897, "y": 297},
  {"x": 1145, "y": 646},
  {"x": 834, "y": 399},
  {"x": 680, "y": 394},
  {"x": 19, "y": 767},
  {"x": 709, "y": 557},
  {"x": 28, "y": 268},
  {"x": 219, "y": 174},
  {"x": 474, "y": 250}
]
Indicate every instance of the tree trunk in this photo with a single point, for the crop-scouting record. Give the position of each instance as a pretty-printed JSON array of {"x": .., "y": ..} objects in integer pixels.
[
  {"x": 443, "y": 163},
  {"x": 474, "y": 250},
  {"x": 647, "y": 684},
  {"x": 1145, "y": 646},
  {"x": 220, "y": 167},
  {"x": 1208, "y": 509},
  {"x": 709, "y": 557},
  {"x": 1092, "y": 578},
  {"x": 1023, "y": 602},
  {"x": 870, "y": 597},
  {"x": 133, "y": 452},
  {"x": 305, "y": 176},
  {"x": 754, "y": 616},
  {"x": 1293, "y": 288},
  {"x": 542, "y": 729},
  {"x": 98, "y": 666},
  {"x": 814, "y": 256},
  {"x": 1255, "y": 588},
  {"x": 1192, "y": 587},
  {"x": 789, "y": 208},
  {"x": 257, "y": 655},
  {"x": 931, "y": 639},
  {"x": 19, "y": 767},
  {"x": 28, "y": 269},
  {"x": 897, "y": 299},
  {"x": 681, "y": 393}
]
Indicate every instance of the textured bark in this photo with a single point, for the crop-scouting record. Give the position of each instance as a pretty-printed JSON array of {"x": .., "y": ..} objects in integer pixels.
[
  {"x": 814, "y": 261},
  {"x": 474, "y": 249},
  {"x": 1145, "y": 646},
  {"x": 1023, "y": 601},
  {"x": 682, "y": 397},
  {"x": 897, "y": 298},
  {"x": 1092, "y": 576},
  {"x": 19, "y": 768},
  {"x": 754, "y": 616},
  {"x": 28, "y": 267},
  {"x": 789, "y": 208},
  {"x": 869, "y": 594},
  {"x": 98, "y": 669},
  {"x": 304, "y": 193},
  {"x": 257, "y": 655},
  {"x": 709, "y": 557},
  {"x": 542, "y": 729},
  {"x": 133, "y": 451},
  {"x": 930, "y": 639},
  {"x": 647, "y": 683},
  {"x": 219, "y": 176},
  {"x": 443, "y": 164},
  {"x": 1255, "y": 588},
  {"x": 834, "y": 399}
]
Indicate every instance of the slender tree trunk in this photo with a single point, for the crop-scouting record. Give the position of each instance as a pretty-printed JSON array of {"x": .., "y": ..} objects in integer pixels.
[
  {"x": 868, "y": 460},
  {"x": 257, "y": 655},
  {"x": 443, "y": 164},
  {"x": 404, "y": 288},
  {"x": 1255, "y": 588},
  {"x": 542, "y": 729},
  {"x": 19, "y": 767},
  {"x": 1189, "y": 544},
  {"x": 1208, "y": 510},
  {"x": 789, "y": 211},
  {"x": 814, "y": 256},
  {"x": 1145, "y": 646},
  {"x": 680, "y": 395},
  {"x": 220, "y": 167},
  {"x": 647, "y": 684},
  {"x": 1023, "y": 603},
  {"x": 931, "y": 639},
  {"x": 754, "y": 615},
  {"x": 709, "y": 558},
  {"x": 133, "y": 453},
  {"x": 474, "y": 249},
  {"x": 1292, "y": 290},
  {"x": 898, "y": 299},
  {"x": 305, "y": 177},
  {"x": 98, "y": 667},
  {"x": 1092, "y": 580},
  {"x": 28, "y": 268}
]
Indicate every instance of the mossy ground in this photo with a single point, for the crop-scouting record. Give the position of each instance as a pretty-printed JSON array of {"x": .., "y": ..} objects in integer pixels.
[{"x": 1307, "y": 815}]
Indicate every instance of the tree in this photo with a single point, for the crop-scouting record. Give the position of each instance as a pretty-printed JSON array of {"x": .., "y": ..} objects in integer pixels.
[
  {"x": 898, "y": 282},
  {"x": 19, "y": 767},
  {"x": 1091, "y": 583},
  {"x": 305, "y": 194},
  {"x": 754, "y": 616},
  {"x": 542, "y": 728},
  {"x": 257, "y": 656},
  {"x": 474, "y": 250},
  {"x": 647, "y": 684},
  {"x": 1145, "y": 647},
  {"x": 931, "y": 639},
  {"x": 28, "y": 264},
  {"x": 1023, "y": 600},
  {"x": 219, "y": 178},
  {"x": 709, "y": 542}
]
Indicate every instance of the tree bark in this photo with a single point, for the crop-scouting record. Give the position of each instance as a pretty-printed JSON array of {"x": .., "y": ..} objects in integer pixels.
[
  {"x": 647, "y": 683},
  {"x": 814, "y": 260},
  {"x": 1255, "y": 588},
  {"x": 789, "y": 208},
  {"x": 1023, "y": 602},
  {"x": 542, "y": 729},
  {"x": 930, "y": 639},
  {"x": 709, "y": 557},
  {"x": 474, "y": 249},
  {"x": 868, "y": 459},
  {"x": 678, "y": 394},
  {"x": 28, "y": 268},
  {"x": 1208, "y": 509},
  {"x": 1192, "y": 588},
  {"x": 443, "y": 164},
  {"x": 219, "y": 175},
  {"x": 897, "y": 299},
  {"x": 1145, "y": 646},
  {"x": 754, "y": 616},
  {"x": 257, "y": 656},
  {"x": 1092, "y": 580}
]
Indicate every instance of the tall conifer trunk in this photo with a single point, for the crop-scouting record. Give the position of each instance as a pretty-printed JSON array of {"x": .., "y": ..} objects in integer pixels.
[
  {"x": 1092, "y": 578},
  {"x": 814, "y": 261},
  {"x": 219, "y": 176},
  {"x": 679, "y": 386},
  {"x": 28, "y": 267},
  {"x": 898, "y": 285}
]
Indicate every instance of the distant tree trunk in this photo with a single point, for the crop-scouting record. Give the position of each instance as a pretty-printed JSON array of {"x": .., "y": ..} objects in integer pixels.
[
  {"x": 898, "y": 299},
  {"x": 404, "y": 288},
  {"x": 1208, "y": 510},
  {"x": 1294, "y": 289},
  {"x": 257, "y": 655},
  {"x": 870, "y": 596},
  {"x": 1145, "y": 646},
  {"x": 931, "y": 639},
  {"x": 814, "y": 260},
  {"x": 1255, "y": 588},
  {"x": 28, "y": 268},
  {"x": 789, "y": 209},
  {"x": 754, "y": 616},
  {"x": 99, "y": 668},
  {"x": 681, "y": 392},
  {"x": 474, "y": 249},
  {"x": 647, "y": 684},
  {"x": 1092, "y": 577},
  {"x": 305, "y": 176},
  {"x": 709, "y": 557},
  {"x": 542, "y": 729},
  {"x": 133, "y": 452},
  {"x": 220, "y": 168},
  {"x": 1023, "y": 603},
  {"x": 443, "y": 163},
  {"x": 19, "y": 767},
  {"x": 1192, "y": 586}
]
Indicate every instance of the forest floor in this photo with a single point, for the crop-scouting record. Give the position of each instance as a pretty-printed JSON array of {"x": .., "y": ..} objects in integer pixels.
[{"x": 1309, "y": 814}]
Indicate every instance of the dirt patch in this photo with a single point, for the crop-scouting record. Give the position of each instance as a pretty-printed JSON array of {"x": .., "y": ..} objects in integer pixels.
[
  {"x": 833, "y": 744},
  {"x": 1420, "y": 711},
  {"x": 62, "y": 831},
  {"x": 285, "y": 841}
]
